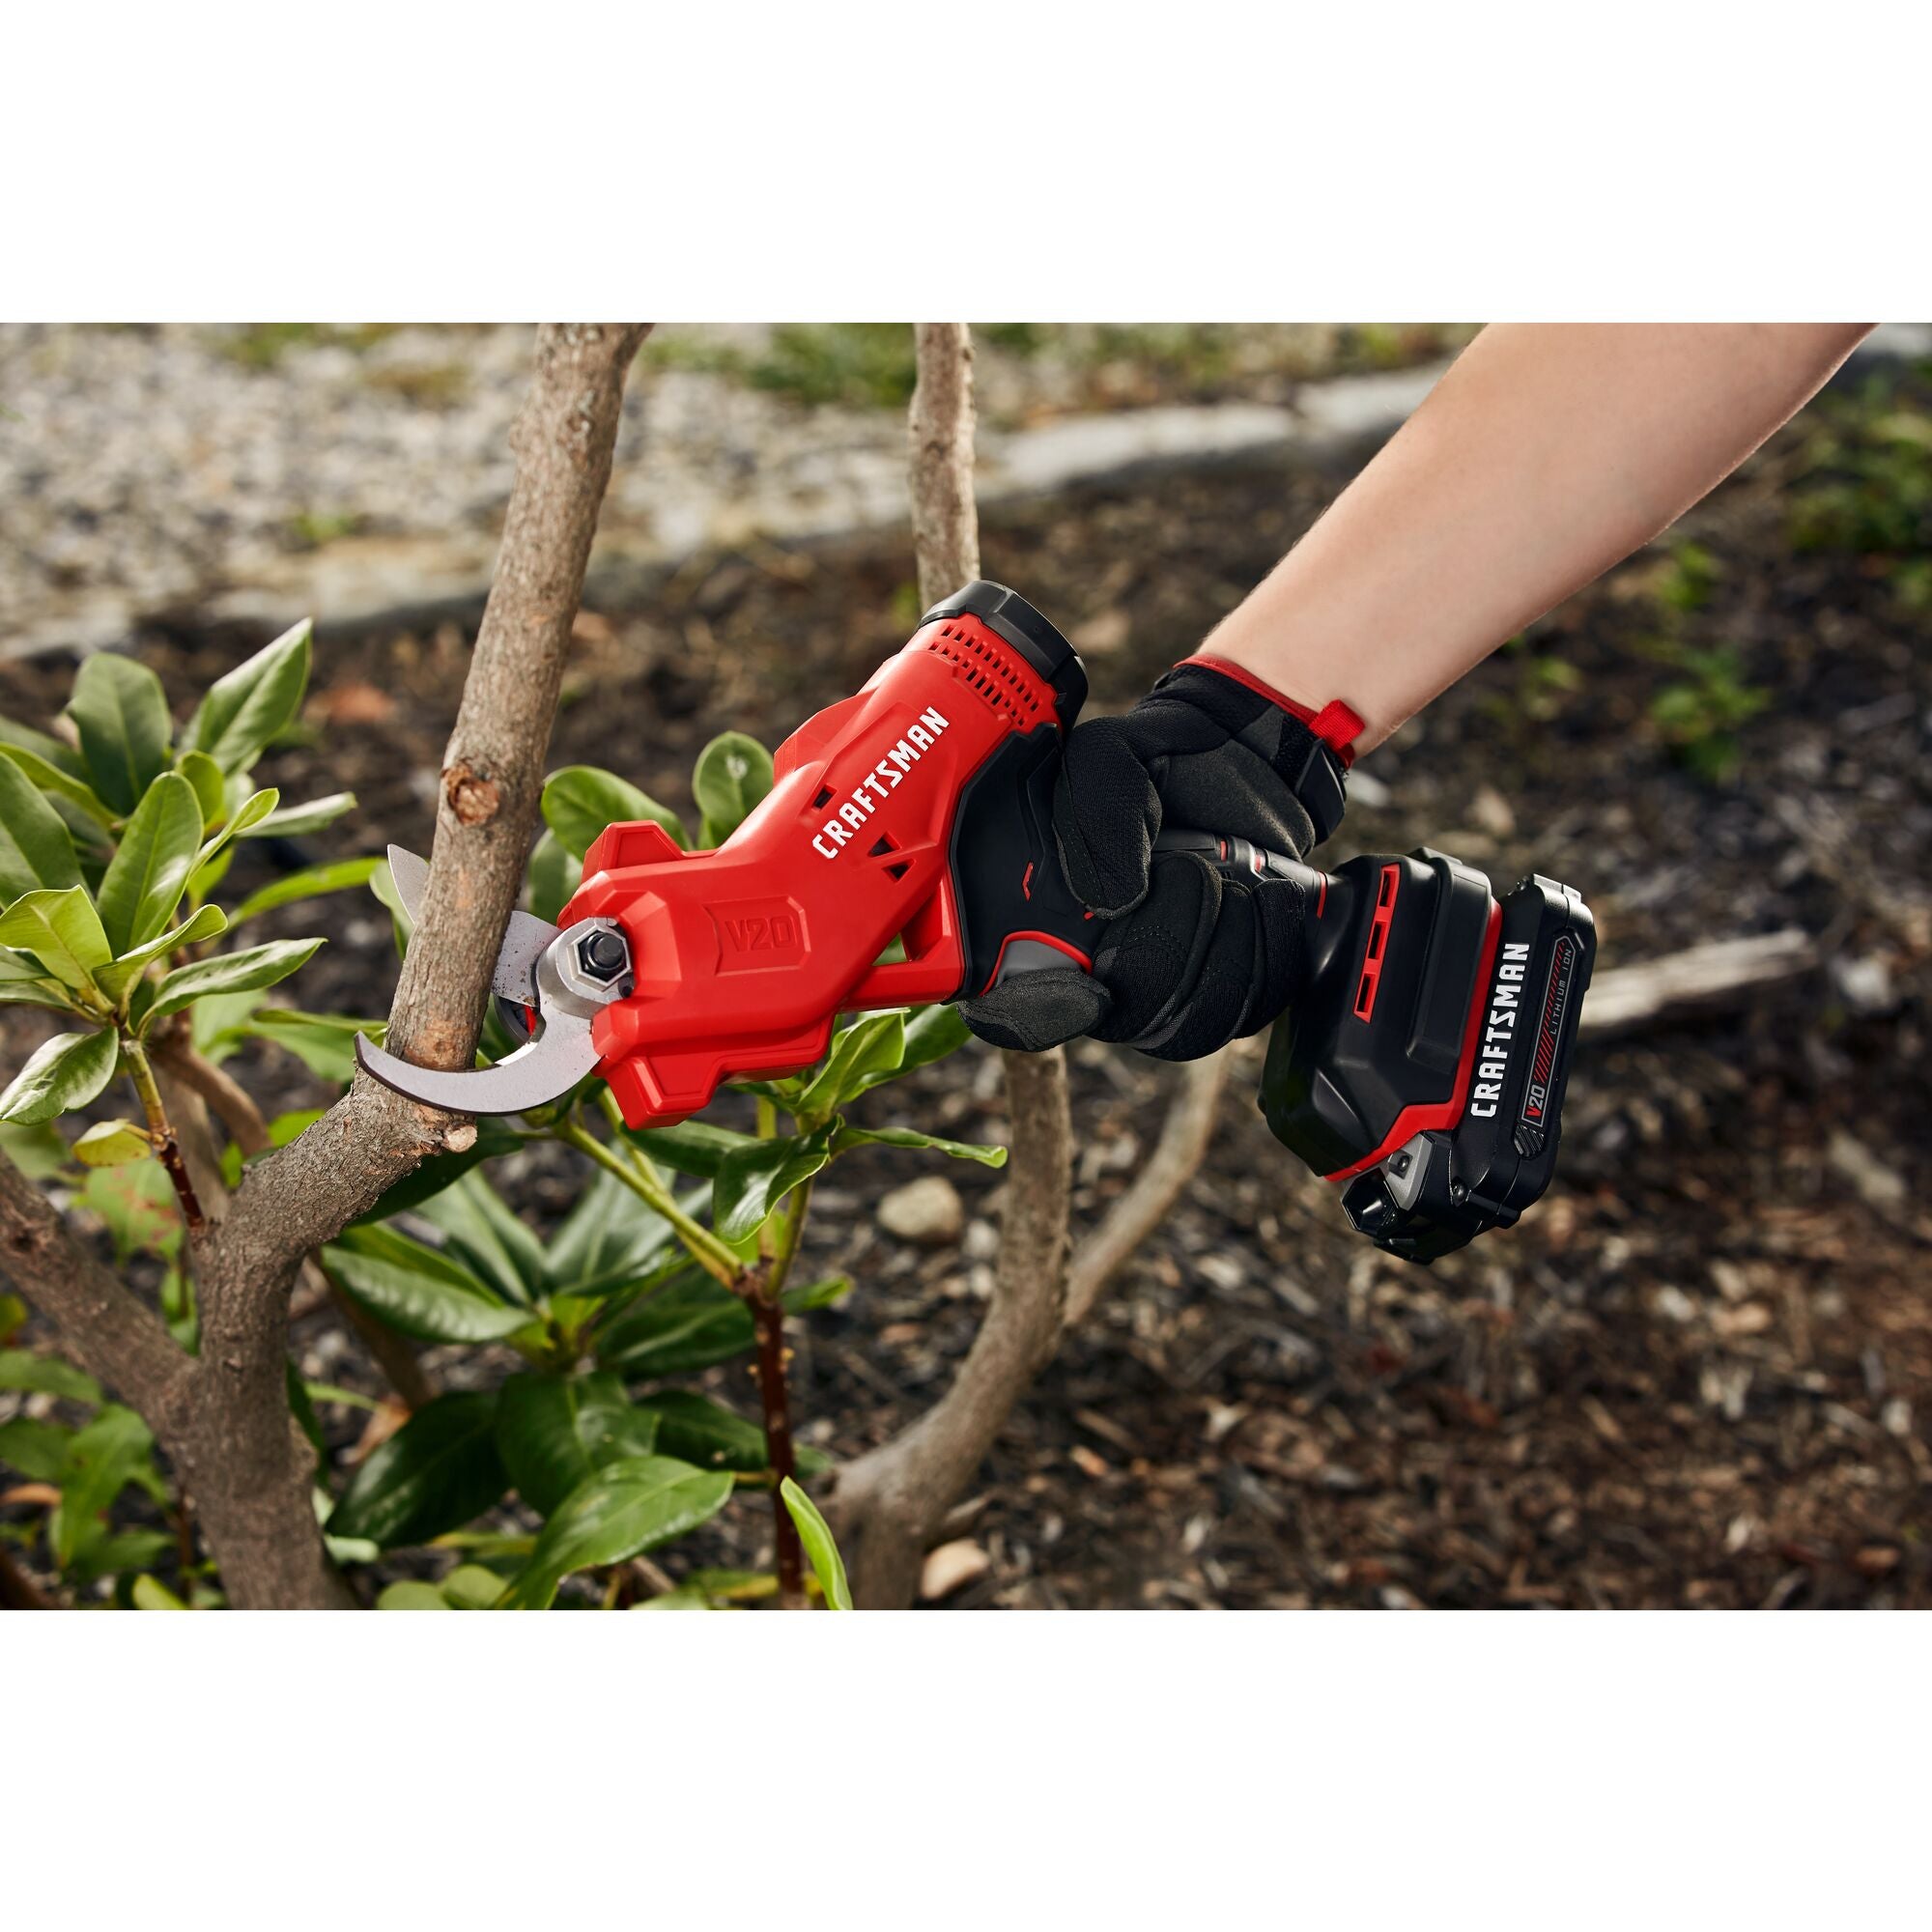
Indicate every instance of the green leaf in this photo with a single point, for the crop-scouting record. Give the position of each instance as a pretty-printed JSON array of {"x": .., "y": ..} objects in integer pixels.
[
  {"x": 48, "y": 1375},
  {"x": 325, "y": 1044},
  {"x": 410, "y": 1595},
  {"x": 62, "y": 930},
  {"x": 705, "y": 1433},
  {"x": 732, "y": 1586},
  {"x": 752, "y": 1181},
  {"x": 18, "y": 737},
  {"x": 932, "y": 1033},
  {"x": 122, "y": 715},
  {"x": 243, "y": 971},
  {"x": 629, "y": 1507},
  {"x": 423, "y": 1292},
  {"x": 554, "y": 876},
  {"x": 436, "y": 1472},
  {"x": 292, "y": 821},
  {"x": 25, "y": 983},
  {"x": 815, "y": 1533},
  {"x": 256, "y": 700},
  {"x": 102, "y": 1461},
  {"x": 210, "y": 787},
  {"x": 609, "y": 1241},
  {"x": 148, "y": 873},
  {"x": 68, "y": 1071},
  {"x": 553, "y": 1432},
  {"x": 487, "y": 1235},
  {"x": 61, "y": 783},
  {"x": 149, "y": 1593},
  {"x": 138, "y": 1207},
  {"x": 204, "y": 923},
  {"x": 440, "y": 1170},
  {"x": 690, "y": 1323},
  {"x": 382, "y": 883},
  {"x": 37, "y": 1449},
  {"x": 302, "y": 1408},
  {"x": 872, "y": 1049},
  {"x": 212, "y": 862},
  {"x": 848, "y": 1137},
  {"x": 38, "y": 1152},
  {"x": 12, "y": 1318},
  {"x": 471, "y": 1587},
  {"x": 309, "y": 884},
  {"x": 580, "y": 801},
  {"x": 101, "y": 1552},
  {"x": 36, "y": 850},
  {"x": 110, "y": 1142},
  {"x": 216, "y": 1024},
  {"x": 803, "y": 1299},
  {"x": 691, "y": 1147},
  {"x": 733, "y": 773}
]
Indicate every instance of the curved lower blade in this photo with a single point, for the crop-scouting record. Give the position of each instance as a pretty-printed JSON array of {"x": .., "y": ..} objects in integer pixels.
[{"x": 537, "y": 1073}]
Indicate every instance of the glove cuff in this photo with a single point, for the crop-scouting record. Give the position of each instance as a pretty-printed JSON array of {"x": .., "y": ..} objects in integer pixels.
[
  {"x": 1337, "y": 724},
  {"x": 1314, "y": 749}
]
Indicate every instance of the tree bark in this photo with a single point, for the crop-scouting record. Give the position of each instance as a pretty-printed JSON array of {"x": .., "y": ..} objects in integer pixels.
[
  {"x": 889, "y": 1503},
  {"x": 1174, "y": 1161},
  {"x": 117, "y": 1339},
  {"x": 892, "y": 1502},
  {"x": 227, "y": 1420}
]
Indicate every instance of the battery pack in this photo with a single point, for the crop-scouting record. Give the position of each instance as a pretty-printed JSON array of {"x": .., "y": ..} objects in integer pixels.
[{"x": 1423, "y": 1069}]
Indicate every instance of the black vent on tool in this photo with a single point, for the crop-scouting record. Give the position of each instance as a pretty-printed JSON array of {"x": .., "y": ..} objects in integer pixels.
[{"x": 985, "y": 674}]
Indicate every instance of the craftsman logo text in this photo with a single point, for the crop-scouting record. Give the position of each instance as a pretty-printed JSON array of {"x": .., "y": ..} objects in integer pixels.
[
  {"x": 1501, "y": 1032},
  {"x": 879, "y": 783}
]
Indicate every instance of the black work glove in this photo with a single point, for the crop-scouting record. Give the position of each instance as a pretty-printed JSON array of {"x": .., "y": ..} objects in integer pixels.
[{"x": 1190, "y": 957}]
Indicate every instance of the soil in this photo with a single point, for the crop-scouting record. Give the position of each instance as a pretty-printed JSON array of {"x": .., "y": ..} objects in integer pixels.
[{"x": 1701, "y": 1369}]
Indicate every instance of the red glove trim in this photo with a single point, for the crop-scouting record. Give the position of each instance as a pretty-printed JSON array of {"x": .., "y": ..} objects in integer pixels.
[{"x": 1337, "y": 724}]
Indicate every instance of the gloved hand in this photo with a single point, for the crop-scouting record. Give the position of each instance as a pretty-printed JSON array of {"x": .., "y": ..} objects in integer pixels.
[{"x": 1189, "y": 959}]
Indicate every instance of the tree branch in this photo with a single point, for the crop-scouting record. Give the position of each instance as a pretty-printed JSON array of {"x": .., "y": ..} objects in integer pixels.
[
  {"x": 492, "y": 779},
  {"x": 249, "y": 1484},
  {"x": 208, "y": 1085},
  {"x": 1174, "y": 1161},
  {"x": 888, "y": 1501},
  {"x": 892, "y": 1502},
  {"x": 117, "y": 1337}
]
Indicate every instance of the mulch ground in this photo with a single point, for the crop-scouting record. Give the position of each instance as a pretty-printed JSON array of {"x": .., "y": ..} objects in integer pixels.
[{"x": 1698, "y": 1373}]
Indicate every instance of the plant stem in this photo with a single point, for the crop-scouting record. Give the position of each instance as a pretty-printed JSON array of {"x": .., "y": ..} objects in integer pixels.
[
  {"x": 160, "y": 1132},
  {"x": 768, "y": 1318},
  {"x": 230, "y": 1102},
  {"x": 768, "y": 1125},
  {"x": 706, "y": 1247},
  {"x": 759, "y": 1288},
  {"x": 791, "y": 1226}
]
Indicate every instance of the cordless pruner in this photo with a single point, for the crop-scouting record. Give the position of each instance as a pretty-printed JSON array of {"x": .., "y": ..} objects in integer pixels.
[{"x": 921, "y": 809}]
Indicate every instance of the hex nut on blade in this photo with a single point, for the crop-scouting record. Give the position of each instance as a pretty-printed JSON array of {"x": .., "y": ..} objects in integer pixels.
[{"x": 602, "y": 956}]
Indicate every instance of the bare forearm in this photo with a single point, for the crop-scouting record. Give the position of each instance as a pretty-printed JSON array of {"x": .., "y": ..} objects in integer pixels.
[{"x": 1546, "y": 455}]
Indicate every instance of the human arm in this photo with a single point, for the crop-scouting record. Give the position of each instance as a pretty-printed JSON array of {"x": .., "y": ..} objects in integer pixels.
[{"x": 1546, "y": 454}]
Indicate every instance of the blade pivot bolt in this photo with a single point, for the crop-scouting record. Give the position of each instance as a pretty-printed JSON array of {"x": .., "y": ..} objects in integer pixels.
[{"x": 604, "y": 956}]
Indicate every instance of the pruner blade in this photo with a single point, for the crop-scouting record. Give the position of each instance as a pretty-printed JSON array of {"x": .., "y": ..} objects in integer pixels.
[
  {"x": 567, "y": 976},
  {"x": 525, "y": 939}
]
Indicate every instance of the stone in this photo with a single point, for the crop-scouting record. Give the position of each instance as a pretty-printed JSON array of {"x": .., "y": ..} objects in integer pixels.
[
  {"x": 949, "y": 1568},
  {"x": 926, "y": 1213}
]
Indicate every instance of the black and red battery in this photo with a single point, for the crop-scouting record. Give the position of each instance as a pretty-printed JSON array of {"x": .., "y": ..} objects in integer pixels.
[{"x": 1423, "y": 1066}]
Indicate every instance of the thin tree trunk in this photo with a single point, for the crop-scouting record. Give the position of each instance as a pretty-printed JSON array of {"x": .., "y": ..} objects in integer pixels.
[
  {"x": 892, "y": 1502},
  {"x": 224, "y": 1417}
]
